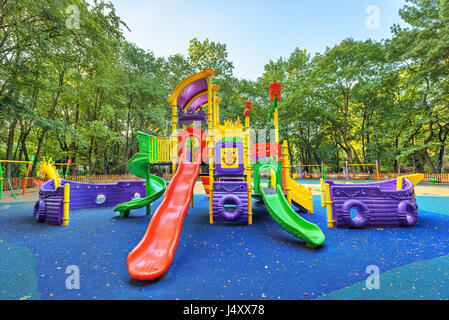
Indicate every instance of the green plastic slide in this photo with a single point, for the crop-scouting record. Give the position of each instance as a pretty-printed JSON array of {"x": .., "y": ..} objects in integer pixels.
[
  {"x": 155, "y": 186},
  {"x": 289, "y": 220}
]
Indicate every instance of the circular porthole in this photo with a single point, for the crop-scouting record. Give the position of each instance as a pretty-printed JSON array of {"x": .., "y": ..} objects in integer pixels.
[
  {"x": 136, "y": 195},
  {"x": 356, "y": 214},
  {"x": 100, "y": 199},
  {"x": 230, "y": 207},
  {"x": 407, "y": 213}
]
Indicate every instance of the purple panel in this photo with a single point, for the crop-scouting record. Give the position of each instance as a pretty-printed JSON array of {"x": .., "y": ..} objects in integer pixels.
[
  {"x": 187, "y": 118},
  {"x": 230, "y": 193},
  {"x": 190, "y": 91},
  {"x": 194, "y": 111},
  {"x": 201, "y": 100},
  {"x": 49, "y": 207},
  {"x": 376, "y": 204},
  {"x": 229, "y": 144}
]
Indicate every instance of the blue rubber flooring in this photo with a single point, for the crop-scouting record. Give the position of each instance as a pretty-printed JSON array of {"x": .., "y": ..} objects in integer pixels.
[{"x": 260, "y": 261}]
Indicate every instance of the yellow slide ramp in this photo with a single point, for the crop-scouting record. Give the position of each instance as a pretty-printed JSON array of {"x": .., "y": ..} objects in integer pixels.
[
  {"x": 300, "y": 194},
  {"x": 414, "y": 179}
]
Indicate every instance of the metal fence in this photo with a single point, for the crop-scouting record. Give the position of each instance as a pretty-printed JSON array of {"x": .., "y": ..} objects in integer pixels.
[{"x": 17, "y": 183}]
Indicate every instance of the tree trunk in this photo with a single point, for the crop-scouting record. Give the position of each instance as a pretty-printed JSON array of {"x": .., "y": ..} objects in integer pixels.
[
  {"x": 425, "y": 150},
  {"x": 16, "y": 169},
  {"x": 442, "y": 136},
  {"x": 347, "y": 149},
  {"x": 50, "y": 116},
  {"x": 290, "y": 153},
  {"x": 38, "y": 152},
  {"x": 429, "y": 161},
  {"x": 73, "y": 146},
  {"x": 90, "y": 155},
  {"x": 128, "y": 121},
  {"x": 9, "y": 147}
]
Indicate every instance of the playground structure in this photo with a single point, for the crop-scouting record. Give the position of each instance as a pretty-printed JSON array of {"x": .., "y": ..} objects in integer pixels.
[
  {"x": 389, "y": 203},
  {"x": 225, "y": 148},
  {"x": 306, "y": 175},
  {"x": 28, "y": 163},
  {"x": 432, "y": 179},
  {"x": 231, "y": 180}
]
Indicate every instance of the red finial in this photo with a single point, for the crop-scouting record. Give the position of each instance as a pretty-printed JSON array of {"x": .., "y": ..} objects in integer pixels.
[
  {"x": 248, "y": 107},
  {"x": 275, "y": 89}
]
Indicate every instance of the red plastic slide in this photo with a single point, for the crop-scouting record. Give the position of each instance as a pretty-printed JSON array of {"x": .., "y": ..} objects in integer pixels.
[{"x": 152, "y": 257}]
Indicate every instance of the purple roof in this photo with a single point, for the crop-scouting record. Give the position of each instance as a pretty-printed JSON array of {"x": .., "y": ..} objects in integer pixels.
[
  {"x": 201, "y": 100},
  {"x": 191, "y": 91}
]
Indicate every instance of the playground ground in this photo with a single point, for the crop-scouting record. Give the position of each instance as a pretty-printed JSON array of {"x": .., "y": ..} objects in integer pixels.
[{"x": 261, "y": 261}]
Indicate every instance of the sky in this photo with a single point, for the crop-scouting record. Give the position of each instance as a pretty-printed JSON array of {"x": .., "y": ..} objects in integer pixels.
[{"x": 255, "y": 31}]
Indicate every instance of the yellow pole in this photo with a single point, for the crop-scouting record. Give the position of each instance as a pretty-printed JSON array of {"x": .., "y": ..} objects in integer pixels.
[
  {"x": 14, "y": 161},
  {"x": 287, "y": 172},
  {"x": 330, "y": 220},
  {"x": 247, "y": 165},
  {"x": 272, "y": 178},
  {"x": 276, "y": 125},
  {"x": 210, "y": 137},
  {"x": 184, "y": 145},
  {"x": 377, "y": 170},
  {"x": 323, "y": 199},
  {"x": 175, "y": 139},
  {"x": 217, "y": 110},
  {"x": 66, "y": 203},
  {"x": 193, "y": 160},
  {"x": 399, "y": 183},
  {"x": 215, "y": 104}
]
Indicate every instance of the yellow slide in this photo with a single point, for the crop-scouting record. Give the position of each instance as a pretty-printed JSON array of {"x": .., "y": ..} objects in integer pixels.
[
  {"x": 300, "y": 194},
  {"x": 414, "y": 179}
]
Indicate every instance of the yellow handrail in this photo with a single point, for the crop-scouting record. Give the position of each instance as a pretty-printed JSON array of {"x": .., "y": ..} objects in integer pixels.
[{"x": 15, "y": 161}]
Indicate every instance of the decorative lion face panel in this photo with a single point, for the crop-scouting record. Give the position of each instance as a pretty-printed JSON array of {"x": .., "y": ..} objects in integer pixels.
[{"x": 229, "y": 158}]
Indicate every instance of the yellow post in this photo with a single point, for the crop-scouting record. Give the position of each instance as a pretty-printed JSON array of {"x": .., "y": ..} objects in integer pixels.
[
  {"x": 377, "y": 170},
  {"x": 66, "y": 203},
  {"x": 247, "y": 166},
  {"x": 217, "y": 110},
  {"x": 272, "y": 179},
  {"x": 175, "y": 138},
  {"x": 323, "y": 198},
  {"x": 214, "y": 89},
  {"x": 399, "y": 183},
  {"x": 14, "y": 161},
  {"x": 287, "y": 171},
  {"x": 210, "y": 137},
  {"x": 330, "y": 220},
  {"x": 193, "y": 160},
  {"x": 276, "y": 125}
]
